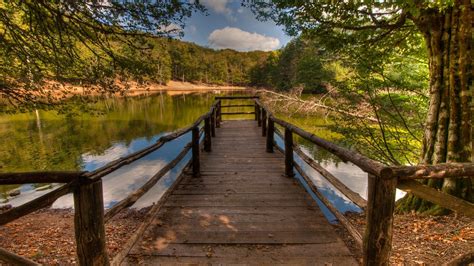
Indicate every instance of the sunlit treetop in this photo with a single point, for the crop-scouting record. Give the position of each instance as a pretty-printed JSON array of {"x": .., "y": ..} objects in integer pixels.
[{"x": 51, "y": 39}]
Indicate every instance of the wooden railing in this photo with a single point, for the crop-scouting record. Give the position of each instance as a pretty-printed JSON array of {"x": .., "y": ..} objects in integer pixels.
[
  {"x": 89, "y": 215},
  {"x": 382, "y": 183},
  {"x": 89, "y": 218}
]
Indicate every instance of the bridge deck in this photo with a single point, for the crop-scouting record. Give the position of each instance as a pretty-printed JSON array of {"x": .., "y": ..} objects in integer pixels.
[{"x": 242, "y": 210}]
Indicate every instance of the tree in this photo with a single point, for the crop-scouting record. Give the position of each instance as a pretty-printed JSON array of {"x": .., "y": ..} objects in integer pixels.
[
  {"x": 299, "y": 64},
  {"x": 446, "y": 28},
  {"x": 77, "y": 39}
]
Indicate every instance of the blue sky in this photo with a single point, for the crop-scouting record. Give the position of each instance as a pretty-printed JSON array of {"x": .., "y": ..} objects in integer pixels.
[{"x": 229, "y": 25}]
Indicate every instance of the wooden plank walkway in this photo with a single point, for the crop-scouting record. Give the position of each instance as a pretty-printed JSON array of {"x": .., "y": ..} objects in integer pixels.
[{"x": 242, "y": 210}]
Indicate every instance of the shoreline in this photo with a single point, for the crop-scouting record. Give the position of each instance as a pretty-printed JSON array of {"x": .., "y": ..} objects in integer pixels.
[{"x": 133, "y": 88}]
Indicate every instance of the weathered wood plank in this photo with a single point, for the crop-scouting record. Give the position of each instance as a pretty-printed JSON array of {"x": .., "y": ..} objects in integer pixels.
[
  {"x": 224, "y": 251},
  {"x": 264, "y": 260},
  {"x": 236, "y": 188},
  {"x": 118, "y": 259},
  {"x": 437, "y": 197},
  {"x": 258, "y": 220},
  {"x": 298, "y": 211},
  {"x": 308, "y": 236},
  {"x": 243, "y": 201}
]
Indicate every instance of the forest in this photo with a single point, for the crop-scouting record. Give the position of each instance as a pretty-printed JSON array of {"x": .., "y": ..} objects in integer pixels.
[{"x": 391, "y": 80}]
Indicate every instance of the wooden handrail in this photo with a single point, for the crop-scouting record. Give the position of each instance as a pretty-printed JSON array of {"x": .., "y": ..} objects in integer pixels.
[
  {"x": 451, "y": 170},
  {"x": 235, "y": 97},
  {"x": 114, "y": 165},
  {"x": 445, "y": 170},
  {"x": 138, "y": 193},
  {"x": 350, "y": 194},
  {"x": 87, "y": 187},
  {"x": 39, "y": 177},
  {"x": 117, "y": 260},
  {"x": 382, "y": 183},
  {"x": 238, "y": 113},
  {"x": 14, "y": 259},
  {"x": 237, "y": 105},
  {"x": 88, "y": 198},
  {"x": 344, "y": 221},
  {"x": 363, "y": 162},
  {"x": 36, "y": 204},
  {"x": 437, "y": 197},
  {"x": 366, "y": 164}
]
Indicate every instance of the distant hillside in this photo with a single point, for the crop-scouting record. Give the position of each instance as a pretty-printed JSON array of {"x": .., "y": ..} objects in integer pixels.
[{"x": 193, "y": 63}]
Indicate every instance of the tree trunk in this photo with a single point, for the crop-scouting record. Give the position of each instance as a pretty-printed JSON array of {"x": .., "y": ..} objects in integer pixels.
[{"x": 447, "y": 136}]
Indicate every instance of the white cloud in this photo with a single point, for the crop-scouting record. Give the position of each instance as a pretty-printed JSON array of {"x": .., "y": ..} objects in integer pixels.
[
  {"x": 116, "y": 151},
  {"x": 170, "y": 29},
  {"x": 220, "y": 7},
  {"x": 237, "y": 39},
  {"x": 192, "y": 29}
]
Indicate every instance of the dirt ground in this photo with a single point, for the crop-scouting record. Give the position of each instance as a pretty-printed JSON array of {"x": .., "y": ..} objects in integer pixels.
[
  {"x": 47, "y": 236},
  {"x": 422, "y": 240},
  {"x": 132, "y": 88}
]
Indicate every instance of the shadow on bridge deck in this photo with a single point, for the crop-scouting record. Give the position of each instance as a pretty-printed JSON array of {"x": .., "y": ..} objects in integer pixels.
[{"x": 241, "y": 210}]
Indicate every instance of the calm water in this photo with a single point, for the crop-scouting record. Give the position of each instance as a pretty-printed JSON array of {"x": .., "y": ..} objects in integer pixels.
[{"x": 45, "y": 140}]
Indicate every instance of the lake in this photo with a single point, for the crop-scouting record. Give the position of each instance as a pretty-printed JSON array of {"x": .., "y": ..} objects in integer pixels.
[{"x": 88, "y": 136}]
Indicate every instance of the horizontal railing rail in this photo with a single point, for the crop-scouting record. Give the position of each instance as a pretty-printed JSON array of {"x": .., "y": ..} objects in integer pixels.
[
  {"x": 39, "y": 177},
  {"x": 87, "y": 188},
  {"x": 237, "y": 105},
  {"x": 238, "y": 113},
  {"x": 382, "y": 183},
  {"x": 237, "y": 97}
]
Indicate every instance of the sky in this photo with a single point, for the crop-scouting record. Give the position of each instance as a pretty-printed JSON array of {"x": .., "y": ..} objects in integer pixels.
[{"x": 229, "y": 25}]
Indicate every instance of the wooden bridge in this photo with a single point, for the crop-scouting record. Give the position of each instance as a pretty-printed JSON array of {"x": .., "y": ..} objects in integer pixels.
[{"x": 237, "y": 201}]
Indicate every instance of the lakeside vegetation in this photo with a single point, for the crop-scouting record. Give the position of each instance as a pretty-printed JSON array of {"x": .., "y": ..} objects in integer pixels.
[
  {"x": 390, "y": 80},
  {"x": 389, "y": 63}
]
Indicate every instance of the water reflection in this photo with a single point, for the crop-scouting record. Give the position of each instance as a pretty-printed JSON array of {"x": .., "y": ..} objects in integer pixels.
[
  {"x": 348, "y": 173},
  {"x": 87, "y": 142},
  {"x": 44, "y": 140}
]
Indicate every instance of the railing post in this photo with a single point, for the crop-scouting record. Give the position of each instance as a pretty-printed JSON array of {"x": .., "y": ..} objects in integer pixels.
[
  {"x": 256, "y": 111},
  {"x": 259, "y": 117},
  {"x": 89, "y": 224},
  {"x": 264, "y": 122},
  {"x": 289, "y": 153},
  {"x": 213, "y": 122},
  {"x": 195, "y": 152},
  {"x": 218, "y": 114},
  {"x": 378, "y": 233},
  {"x": 270, "y": 132},
  {"x": 207, "y": 133}
]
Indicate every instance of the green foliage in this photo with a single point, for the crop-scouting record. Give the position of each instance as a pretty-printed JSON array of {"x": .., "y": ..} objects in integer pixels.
[
  {"x": 80, "y": 40},
  {"x": 46, "y": 140},
  {"x": 374, "y": 56},
  {"x": 84, "y": 42},
  {"x": 299, "y": 64},
  {"x": 194, "y": 63}
]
